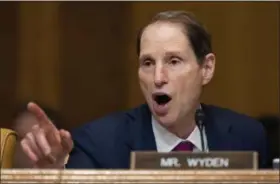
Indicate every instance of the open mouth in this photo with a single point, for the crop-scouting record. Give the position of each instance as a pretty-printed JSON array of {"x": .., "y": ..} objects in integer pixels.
[{"x": 161, "y": 98}]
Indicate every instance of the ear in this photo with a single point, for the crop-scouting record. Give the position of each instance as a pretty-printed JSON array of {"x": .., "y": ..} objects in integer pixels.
[{"x": 208, "y": 68}]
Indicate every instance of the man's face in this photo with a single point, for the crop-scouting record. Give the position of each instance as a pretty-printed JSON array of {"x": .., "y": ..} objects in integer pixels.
[{"x": 170, "y": 77}]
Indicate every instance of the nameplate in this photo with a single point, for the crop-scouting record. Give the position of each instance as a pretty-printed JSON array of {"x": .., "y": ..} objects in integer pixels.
[{"x": 191, "y": 160}]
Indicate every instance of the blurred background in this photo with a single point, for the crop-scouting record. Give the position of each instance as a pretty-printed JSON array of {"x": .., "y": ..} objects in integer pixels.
[{"x": 79, "y": 58}]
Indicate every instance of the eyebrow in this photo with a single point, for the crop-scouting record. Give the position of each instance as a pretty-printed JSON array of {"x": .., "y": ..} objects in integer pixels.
[
  {"x": 144, "y": 56},
  {"x": 168, "y": 54}
]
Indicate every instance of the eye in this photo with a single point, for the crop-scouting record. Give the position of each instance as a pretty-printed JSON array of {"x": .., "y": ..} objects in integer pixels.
[
  {"x": 147, "y": 63},
  {"x": 174, "y": 61}
]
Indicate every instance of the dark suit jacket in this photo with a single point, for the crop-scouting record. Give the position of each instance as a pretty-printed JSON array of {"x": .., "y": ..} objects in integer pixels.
[{"x": 106, "y": 143}]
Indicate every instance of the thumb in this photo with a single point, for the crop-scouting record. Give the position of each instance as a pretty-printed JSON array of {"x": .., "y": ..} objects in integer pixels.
[
  {"x": 66, "y": 141},
  {"x": 67, "y": 145}
]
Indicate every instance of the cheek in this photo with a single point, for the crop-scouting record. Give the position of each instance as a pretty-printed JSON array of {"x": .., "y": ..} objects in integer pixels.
[
  {"x": 187, "y": 84},
  {"x": 144, "y": 80}
]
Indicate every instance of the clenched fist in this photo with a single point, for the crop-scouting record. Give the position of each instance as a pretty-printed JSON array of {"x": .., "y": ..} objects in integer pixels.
[{"x": 45, "y": 145}]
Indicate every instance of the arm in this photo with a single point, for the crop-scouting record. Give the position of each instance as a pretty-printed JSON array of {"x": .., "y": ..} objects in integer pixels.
[
  {"x": 83, "y": 154},
  {"x": 79, "y": 158}
]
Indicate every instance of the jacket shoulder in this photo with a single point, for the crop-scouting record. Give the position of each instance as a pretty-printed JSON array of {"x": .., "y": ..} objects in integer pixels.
[
  {"x": 105, "y": 141},
  {"x": 235, "y": 119},
  {"x": 247, "y": 131},
  {"x": 113, "y": 120},
  {"x": 109, "y": 127}
]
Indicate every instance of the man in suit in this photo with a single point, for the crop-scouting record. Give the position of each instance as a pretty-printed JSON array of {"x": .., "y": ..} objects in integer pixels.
[{"x": 175, "y": 63}]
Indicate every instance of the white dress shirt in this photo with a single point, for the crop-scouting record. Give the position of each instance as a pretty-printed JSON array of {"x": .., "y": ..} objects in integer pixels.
[{"x": 167, "y": 141}]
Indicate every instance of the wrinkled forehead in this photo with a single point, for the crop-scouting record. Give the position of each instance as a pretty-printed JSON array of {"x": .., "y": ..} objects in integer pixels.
[{"x": 163, "y": 37}]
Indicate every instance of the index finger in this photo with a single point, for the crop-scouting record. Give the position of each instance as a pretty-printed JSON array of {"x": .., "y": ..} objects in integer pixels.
[{"x": 40, "y": 115}]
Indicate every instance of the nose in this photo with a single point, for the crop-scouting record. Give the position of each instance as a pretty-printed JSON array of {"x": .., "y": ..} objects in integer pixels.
[{"x": 160, "y": 77}]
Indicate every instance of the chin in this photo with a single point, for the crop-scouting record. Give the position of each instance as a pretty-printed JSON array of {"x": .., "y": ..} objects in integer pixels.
[{"x": 166, "y": 121}]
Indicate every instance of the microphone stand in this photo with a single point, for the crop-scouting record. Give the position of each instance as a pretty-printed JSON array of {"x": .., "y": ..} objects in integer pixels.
[{"x": 199, "y": 119}]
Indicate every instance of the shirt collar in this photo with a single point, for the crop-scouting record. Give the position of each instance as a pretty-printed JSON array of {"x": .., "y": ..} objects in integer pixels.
[{"x": 167, "y": 141}]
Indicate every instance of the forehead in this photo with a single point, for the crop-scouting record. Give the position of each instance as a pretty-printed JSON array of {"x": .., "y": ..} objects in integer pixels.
[{"x": 163, "y": 37}]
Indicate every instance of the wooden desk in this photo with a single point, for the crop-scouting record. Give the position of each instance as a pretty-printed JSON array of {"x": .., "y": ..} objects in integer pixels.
[{"x": 138, "y": 176}]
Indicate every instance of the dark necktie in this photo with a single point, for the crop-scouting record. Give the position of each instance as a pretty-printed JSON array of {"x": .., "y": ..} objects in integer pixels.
[{"x": 184, "y": 146}]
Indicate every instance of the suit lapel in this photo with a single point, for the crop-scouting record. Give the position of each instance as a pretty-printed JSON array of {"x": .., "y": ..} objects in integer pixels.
[
  {"x": 217, "y": 130},
  {"x": 148, "y": 139},
  {"x": 137, "y": 135}
]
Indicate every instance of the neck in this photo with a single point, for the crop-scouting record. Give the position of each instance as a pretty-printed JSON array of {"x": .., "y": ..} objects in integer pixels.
[{"x": 184, "y": 127}]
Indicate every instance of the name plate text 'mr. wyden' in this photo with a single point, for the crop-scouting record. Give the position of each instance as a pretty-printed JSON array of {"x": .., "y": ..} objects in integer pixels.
[{"x": 190, "y": 160}]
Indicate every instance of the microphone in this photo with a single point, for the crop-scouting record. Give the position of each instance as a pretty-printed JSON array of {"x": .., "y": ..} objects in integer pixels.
[{"x": 199, "y": 119}]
